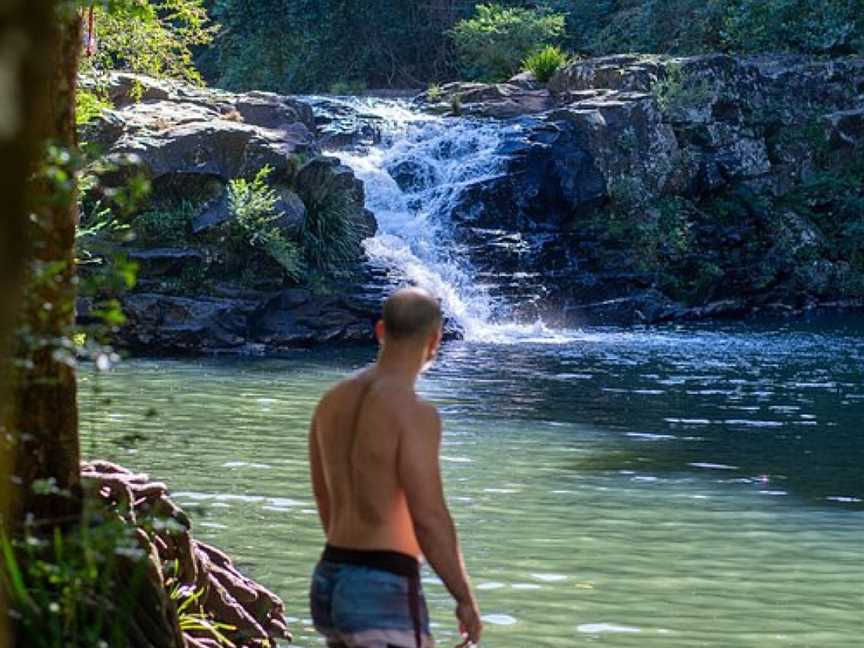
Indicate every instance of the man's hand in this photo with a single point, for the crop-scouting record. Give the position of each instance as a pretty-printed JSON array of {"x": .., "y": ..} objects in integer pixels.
[{"x": 470, "y": 625}]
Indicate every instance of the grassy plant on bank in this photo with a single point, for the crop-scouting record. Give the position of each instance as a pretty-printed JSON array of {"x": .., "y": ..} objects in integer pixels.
[
  {"x": 63, "y": 591},
  {"x": 190, "y": 613},
  {"x": 544, "y": 63},
  {"x": 329, "y": 236},
  {"x": 166, "y": 226},
  {"x": 434, "y": 93},
  {"x": 456, "y": 104}
]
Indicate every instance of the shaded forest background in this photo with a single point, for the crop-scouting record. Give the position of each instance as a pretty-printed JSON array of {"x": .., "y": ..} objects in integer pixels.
[{"x": 319, "y": 45}]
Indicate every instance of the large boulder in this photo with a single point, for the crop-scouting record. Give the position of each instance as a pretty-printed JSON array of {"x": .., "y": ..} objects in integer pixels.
[{"x": 344, "y": 126}]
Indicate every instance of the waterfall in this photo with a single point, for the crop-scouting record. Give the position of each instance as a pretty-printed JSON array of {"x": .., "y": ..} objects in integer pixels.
[{"x": 414, "y": 179}]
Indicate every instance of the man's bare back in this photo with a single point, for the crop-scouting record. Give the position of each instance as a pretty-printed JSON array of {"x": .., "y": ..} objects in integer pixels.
[
  {"x": 374, "y": 460},
  {"x": 360, "y": 427}
]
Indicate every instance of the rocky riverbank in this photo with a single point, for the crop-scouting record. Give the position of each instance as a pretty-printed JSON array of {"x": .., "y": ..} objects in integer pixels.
[
  {"x": 635, "y": 189},
  {"x": 646, "y": 189},
  {"x": 215, "y": 275},
  {"x": 181, "y": 575}
]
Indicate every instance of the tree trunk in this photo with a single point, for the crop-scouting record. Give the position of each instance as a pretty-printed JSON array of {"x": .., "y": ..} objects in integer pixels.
[{"x": 43, "y": 418}]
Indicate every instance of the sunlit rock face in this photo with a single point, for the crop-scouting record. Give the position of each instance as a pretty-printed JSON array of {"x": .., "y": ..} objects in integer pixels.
[
  {"x": 629, "y": 189},
  {"x": 201, "y": 294},
  {"x": 646, "y": 188}
]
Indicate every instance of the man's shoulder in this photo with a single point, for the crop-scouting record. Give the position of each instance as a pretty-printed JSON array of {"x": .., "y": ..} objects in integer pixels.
[{"x": 422, "y": 416}]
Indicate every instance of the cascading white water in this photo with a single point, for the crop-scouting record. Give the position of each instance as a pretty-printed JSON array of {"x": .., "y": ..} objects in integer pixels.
[{"x": 444, "y": 156}]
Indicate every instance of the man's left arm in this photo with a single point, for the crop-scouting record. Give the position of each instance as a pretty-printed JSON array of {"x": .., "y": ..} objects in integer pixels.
[{"x": 319, "y": 485}]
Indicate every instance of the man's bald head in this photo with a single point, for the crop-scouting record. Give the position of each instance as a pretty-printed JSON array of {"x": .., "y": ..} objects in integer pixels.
[{"x": 411, "y": 313}]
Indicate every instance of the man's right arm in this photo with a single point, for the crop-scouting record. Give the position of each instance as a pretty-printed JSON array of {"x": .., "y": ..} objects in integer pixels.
[{"x": 420, "y": 476}]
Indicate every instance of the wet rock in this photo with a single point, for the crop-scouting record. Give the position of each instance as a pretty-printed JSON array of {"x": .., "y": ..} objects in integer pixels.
[
  {"x": 172, "y": 324},
  {"x": 299, "y": 318},
  {"x": 644, "y": 307},
  {"x": 162, "y": 262},
  {"x": 292, "y": 212},
  {"x": 499, "y": 100},
  {"x": 413, "y": 174},
  {"x": 342, "y": 126},
  {"x": 629, "y": 142},
  {"x": 273, "y": 111}
]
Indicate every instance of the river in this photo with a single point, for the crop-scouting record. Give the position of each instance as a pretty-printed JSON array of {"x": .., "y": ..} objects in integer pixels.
[{"x": 667, "y": 487}]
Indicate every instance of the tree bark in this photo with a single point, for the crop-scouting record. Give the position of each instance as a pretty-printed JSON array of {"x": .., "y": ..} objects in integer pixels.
[
  {"x": 24, "y": 28},
  {"x": 42, "y": 420}
]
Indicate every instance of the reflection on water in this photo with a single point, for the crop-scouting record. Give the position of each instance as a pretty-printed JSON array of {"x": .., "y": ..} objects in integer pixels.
[{"x": 675, "y": 487}]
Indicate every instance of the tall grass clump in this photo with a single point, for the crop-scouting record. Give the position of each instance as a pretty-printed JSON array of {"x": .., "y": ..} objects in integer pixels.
[
  {"x": 329, "y": 236},
  {"x": 64, "y": 590},
  {"x": 544, "y": 63}
]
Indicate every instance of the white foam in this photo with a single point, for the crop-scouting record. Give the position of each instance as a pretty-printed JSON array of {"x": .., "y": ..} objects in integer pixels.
[{"x": 414, "y": 237}]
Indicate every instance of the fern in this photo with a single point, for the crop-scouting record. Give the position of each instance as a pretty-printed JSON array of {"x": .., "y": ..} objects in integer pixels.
[{"x": 254, "y": 207}]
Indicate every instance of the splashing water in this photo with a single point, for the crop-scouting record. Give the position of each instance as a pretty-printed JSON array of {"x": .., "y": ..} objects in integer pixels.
[{"x": 414, "y": 180}]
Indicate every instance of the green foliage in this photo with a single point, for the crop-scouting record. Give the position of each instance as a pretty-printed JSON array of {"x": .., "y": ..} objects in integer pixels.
[
  {"x": 253, "y": 204},
  {"x": 347, "y": 88},
  {"x": 737, "y": 26},
  {"x": 677, "y": 92},
  {"x": 456, "y": 104},
  {"x": 89, "y": 105},
  {"x": 661, "y": 26},
  {"x": 434, "y": 93},
  {"x": 825, "y": 27},
  {"x": 62, "y": 591},
  {"x": 308, "y": 45},
  {"x": 544, "y": 63},
  {"x": 166, "y": 226},
  {"x": 834, "y": 201},
  {"x": 190, "y": 613},
  {"x": 496, "y": 40},
  {"x": 154, "y": 37}
]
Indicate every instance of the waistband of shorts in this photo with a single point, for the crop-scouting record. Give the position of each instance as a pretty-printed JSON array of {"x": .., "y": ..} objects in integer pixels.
[{"x": 394, "y": 562}]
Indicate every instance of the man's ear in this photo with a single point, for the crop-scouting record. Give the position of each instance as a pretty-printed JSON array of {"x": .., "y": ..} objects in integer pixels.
[
  {"x": 379, "y": 331},
  {"x": 435, "y": 342}
]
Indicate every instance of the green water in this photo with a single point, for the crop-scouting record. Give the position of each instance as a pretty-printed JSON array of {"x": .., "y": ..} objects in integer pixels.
[{"x": 669, "y": 488}]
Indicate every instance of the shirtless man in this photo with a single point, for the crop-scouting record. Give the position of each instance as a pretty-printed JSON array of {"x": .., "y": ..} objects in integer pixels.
[{"x": 374, "y": 456}]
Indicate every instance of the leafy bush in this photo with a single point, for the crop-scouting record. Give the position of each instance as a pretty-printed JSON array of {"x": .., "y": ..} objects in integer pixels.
[
  {"x": 254, "y": 207},
  {"x": 154, "y": 37},
  {"x": 545, "y": 63},
  {"x": 825, "y": 27},
  {"x": 492, "y": 44},
  {"x": 88, "y": 106}
]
